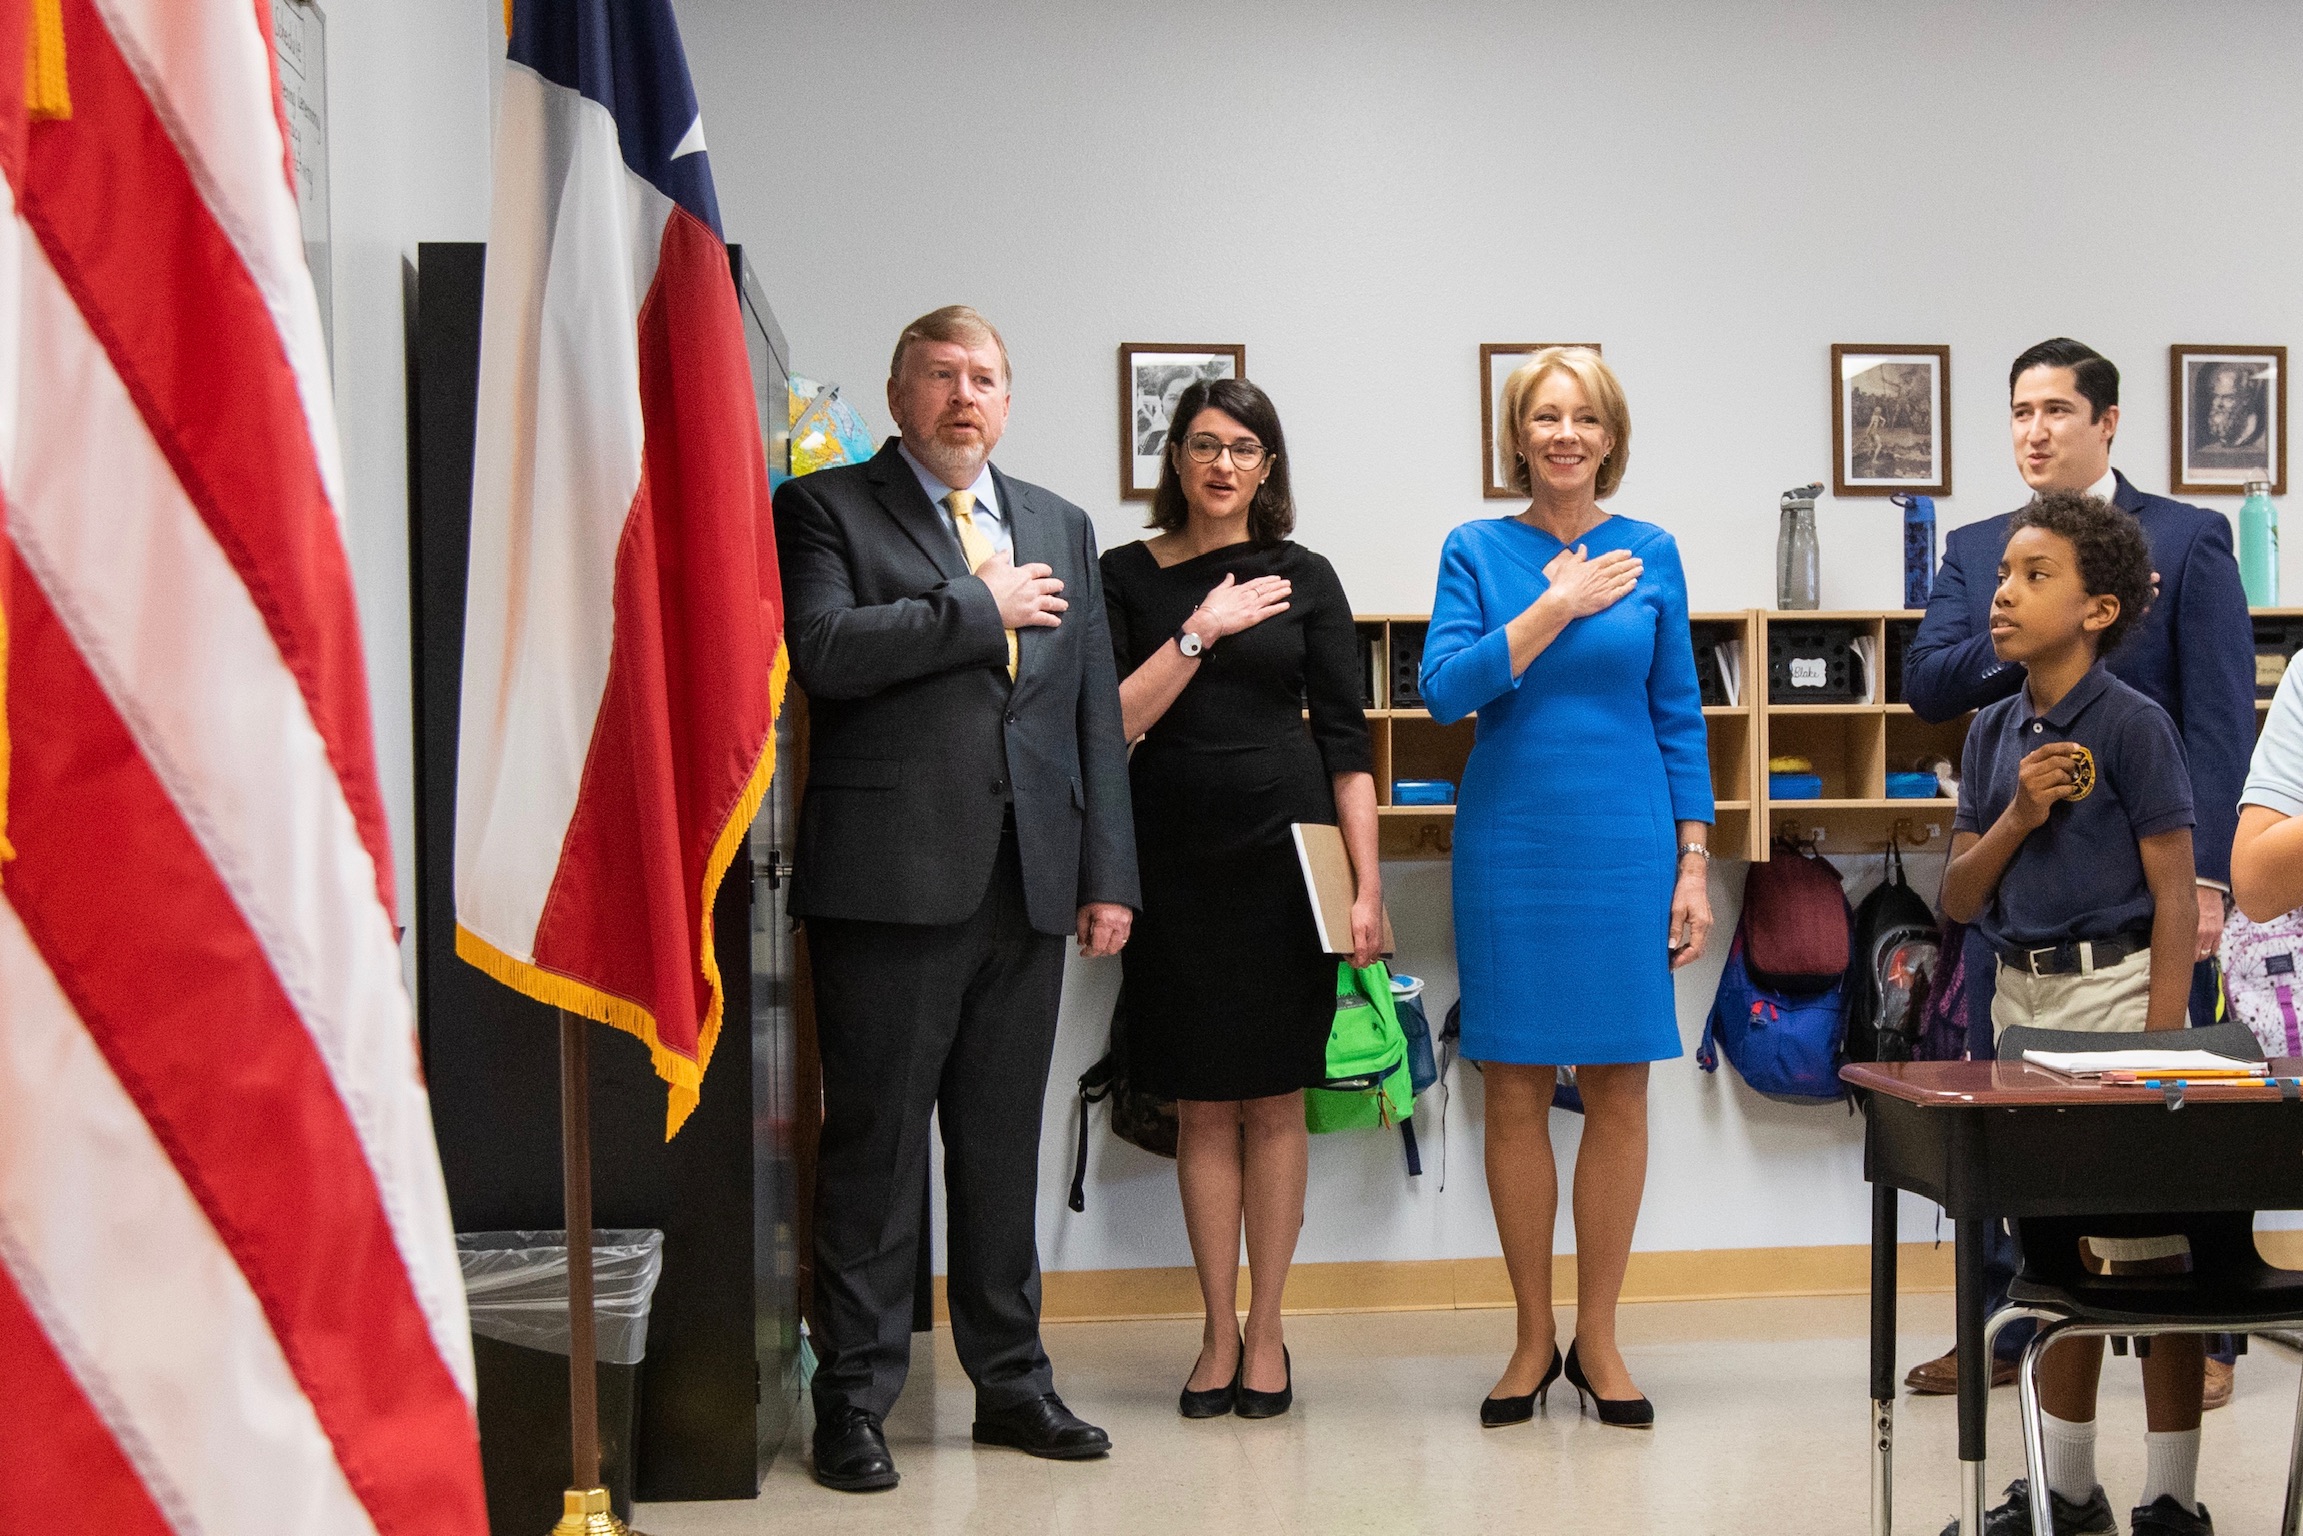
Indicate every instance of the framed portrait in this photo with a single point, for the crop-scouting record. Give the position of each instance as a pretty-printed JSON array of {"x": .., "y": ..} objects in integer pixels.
[
  {"x": 1153, "y": 376},
  {"x": 1890, "y": 420},
  {"x": 2230, "y": 422},
  {"x": 1498, "y": 361}
]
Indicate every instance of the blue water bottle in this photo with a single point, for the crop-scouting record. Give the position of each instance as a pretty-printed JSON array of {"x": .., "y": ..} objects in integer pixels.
[
  {"x": 2259, "y": 546},
  {"x": 1918, "y": 548}
]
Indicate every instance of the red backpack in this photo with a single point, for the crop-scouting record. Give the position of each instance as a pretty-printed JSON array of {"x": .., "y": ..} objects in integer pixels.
[{"x": 1795, "y": 924}]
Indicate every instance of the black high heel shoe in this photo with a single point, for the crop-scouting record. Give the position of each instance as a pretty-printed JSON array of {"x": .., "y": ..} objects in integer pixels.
[
  {"x": 1622, "y": 1412},
  {"x": 1215, "y": 1402},
  {"x": 1265, "y": 1405},
  {"x": 1495, "y": 1412}
]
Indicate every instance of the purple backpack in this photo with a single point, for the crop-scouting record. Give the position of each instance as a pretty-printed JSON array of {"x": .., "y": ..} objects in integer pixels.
[
  {"x": 1943, "y": 1015},
  {"x": 2263, "y": 979}
]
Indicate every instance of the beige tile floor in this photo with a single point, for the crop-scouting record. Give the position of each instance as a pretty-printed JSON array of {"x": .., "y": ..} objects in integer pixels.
[{"x": 1760, "y": 1428}]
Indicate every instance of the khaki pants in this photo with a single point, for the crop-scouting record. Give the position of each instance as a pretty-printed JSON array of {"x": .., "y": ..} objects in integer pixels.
[{"x": 2113, "y": 1000}]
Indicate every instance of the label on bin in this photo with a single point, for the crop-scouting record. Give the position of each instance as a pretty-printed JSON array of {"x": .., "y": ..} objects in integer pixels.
[{"x": 1810, "y": 672}]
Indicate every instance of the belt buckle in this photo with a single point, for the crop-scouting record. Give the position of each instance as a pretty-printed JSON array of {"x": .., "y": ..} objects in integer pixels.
[{"x": 2031, "y": 959}]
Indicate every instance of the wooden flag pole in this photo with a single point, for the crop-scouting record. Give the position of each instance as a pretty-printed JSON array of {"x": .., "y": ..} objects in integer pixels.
[{"x": 585, "y": 1510}]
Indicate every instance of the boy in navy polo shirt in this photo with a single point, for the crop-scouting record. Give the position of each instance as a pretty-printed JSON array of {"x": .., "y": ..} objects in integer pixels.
[{"x": 2071, "y": 854}]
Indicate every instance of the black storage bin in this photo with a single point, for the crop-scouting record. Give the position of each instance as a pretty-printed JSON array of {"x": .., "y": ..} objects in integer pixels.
[
  {"x": 1704, "y": 637},
  {"x": 1407, "y": 665},
  {"x": 1900, "y": 634},
  {"x": 2276, "y": 642},
  {"x": 1814, "y": 664},
  {"x": 517, "y": 1286},
  {"x": 1373, "y": 665}
]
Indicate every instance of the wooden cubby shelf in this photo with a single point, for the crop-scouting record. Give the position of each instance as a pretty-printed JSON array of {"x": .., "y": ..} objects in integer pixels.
[{"x": 1852, "y": 743}]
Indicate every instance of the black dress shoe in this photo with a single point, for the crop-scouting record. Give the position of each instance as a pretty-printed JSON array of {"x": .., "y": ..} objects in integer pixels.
[
  {"x": 1622, "y": 1412},
  {"x": 1495, "y": 1412},
  {"x": 1042, "y": 1427},
  {"x": 2013, "y": 1518},
  {"x": 1214, "y": 1402},
  {"x": 1252, "y": 1404},
  {"x": 852, "y": 1454}
]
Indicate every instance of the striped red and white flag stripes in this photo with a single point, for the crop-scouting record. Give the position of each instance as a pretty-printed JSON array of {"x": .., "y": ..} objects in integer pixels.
[{"x": 228, "y": 1289}]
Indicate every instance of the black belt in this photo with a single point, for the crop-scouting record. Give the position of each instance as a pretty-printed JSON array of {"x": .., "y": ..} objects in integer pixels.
[{"x": 2075, "y": 957}]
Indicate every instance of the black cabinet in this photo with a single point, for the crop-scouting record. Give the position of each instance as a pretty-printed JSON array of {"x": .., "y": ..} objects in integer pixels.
[{"x": 718, "y": 1387}]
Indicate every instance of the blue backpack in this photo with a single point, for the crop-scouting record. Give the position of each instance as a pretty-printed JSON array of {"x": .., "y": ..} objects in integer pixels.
[{"x": 1786, "y": 1044}]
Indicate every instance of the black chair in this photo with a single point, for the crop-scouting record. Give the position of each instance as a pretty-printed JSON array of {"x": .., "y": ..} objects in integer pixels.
[{"x": 2228, "y": 1289}]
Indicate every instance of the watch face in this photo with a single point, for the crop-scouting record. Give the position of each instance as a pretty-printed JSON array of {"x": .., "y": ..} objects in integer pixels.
[{"x": 1188, "y": 643}]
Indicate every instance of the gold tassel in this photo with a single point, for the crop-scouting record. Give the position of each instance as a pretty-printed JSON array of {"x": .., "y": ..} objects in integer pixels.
[
  {"x": 507, "y": 21},
  {"x": 45, "y": 90}
]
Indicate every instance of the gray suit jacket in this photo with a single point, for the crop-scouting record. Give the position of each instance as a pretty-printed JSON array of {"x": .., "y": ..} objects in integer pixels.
[{"x": 918, "y": 742}]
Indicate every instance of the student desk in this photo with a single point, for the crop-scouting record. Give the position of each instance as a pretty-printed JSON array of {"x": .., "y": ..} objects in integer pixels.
[{"x": 1992, "y": 1139}]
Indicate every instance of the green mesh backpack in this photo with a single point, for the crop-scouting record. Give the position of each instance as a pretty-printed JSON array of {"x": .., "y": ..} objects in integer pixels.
[{"x": 1367, "y": 1082}]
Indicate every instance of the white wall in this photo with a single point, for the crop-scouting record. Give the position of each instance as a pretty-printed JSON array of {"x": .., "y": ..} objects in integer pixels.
[
  {"x": 1362, "y": 193},
  {"x": 408, "y": 92}
]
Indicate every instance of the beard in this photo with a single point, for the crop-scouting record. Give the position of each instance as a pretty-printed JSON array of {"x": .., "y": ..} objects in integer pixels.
[{"x": 955, "y": 463}]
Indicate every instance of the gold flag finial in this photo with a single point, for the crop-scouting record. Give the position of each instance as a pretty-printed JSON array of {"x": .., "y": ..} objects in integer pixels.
[{"x": 45, "y": 90}]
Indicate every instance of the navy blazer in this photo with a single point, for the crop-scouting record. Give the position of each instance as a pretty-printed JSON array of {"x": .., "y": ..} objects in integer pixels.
[{"x": 2194, "y": 652}]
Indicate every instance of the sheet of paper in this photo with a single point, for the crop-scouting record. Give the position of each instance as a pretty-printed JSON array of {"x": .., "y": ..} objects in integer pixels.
[
  {"x": 2141, "y": 1059},
  {"x": 1867, "y": 652},
  {"x": 1728, "y": 656}
]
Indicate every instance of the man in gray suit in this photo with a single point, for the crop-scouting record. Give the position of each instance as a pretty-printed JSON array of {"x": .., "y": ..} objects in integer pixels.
[{"x": 966, "y": 809}]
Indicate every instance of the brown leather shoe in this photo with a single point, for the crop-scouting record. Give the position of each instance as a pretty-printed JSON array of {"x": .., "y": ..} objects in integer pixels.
[
  {"x": 2218, "y": 1385},
  {"x": 1939, "y": 1377}
]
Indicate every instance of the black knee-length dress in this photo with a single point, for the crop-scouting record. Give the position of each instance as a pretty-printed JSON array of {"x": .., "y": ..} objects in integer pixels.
[{"x": 1228, "y": 995}]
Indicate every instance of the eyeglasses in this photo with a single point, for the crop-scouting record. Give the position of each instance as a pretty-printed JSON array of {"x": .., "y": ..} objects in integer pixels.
[{"x": 1246, "y": 454}]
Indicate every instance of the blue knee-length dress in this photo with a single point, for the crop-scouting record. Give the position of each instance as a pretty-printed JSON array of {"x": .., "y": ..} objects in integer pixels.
[{"x": 1566, "y": 836}]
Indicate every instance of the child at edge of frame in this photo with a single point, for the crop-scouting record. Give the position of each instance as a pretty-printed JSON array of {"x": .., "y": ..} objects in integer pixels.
[{"x": 2071, "y": 852}]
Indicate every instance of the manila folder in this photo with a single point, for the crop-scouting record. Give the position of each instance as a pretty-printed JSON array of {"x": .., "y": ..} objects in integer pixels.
[{"x": 1327, "y": 880}]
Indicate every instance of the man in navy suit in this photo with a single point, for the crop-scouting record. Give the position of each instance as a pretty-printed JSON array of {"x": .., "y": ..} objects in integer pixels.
[{"x": 2194, "y": 653}]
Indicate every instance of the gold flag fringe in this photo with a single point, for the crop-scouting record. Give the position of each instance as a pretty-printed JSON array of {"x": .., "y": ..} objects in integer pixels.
[
  {"x": 46, "y": 91},
  {"x": 684, "y": 1077}
]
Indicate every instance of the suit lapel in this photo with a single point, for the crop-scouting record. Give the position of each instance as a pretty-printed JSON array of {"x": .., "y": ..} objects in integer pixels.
[
  {"x": 901, "y": 497},
  {"x": 1033, "y": 539}
]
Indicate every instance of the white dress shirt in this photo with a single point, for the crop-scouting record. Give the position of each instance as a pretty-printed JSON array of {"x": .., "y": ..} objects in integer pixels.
[{"x": 988, "y": 516}]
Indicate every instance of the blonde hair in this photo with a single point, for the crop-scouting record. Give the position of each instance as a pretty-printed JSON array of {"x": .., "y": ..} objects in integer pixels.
[
  {"x": 956, "y": 323},
  {"x": 1603, "y": 388}
]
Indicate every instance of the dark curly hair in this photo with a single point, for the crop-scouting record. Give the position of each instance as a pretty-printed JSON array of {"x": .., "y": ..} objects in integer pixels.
[
  {"x": 2114, "y": 557},
  {"x": 1271, "y": 516}
]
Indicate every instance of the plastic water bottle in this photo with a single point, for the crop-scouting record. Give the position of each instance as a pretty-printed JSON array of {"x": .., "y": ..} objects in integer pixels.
[
  {"x": 1798, "y": 565},
  {"x": 2259, "y": 546},
  {"x": 1918, "y": 548}
]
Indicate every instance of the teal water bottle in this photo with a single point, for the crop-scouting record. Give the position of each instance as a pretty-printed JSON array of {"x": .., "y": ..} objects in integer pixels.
[{"x": 2259, "y": 546}]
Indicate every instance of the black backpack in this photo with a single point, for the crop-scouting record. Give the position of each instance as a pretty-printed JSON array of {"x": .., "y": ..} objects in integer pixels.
[{"x": 1892, "y": 963}]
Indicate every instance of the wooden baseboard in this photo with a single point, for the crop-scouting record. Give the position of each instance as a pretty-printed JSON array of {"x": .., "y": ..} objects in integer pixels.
[{"x": 1438, "y": 1285}]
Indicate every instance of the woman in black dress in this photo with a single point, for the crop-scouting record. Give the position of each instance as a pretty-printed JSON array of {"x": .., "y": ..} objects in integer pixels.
[{"x": 1225, "y": 631}]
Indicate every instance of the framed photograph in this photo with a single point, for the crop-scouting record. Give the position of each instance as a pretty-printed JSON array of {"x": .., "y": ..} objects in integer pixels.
[
  {"x": 2230, "y": 419},
  {"x": 1890, "y": 420},
  {"x": 1153, "y": 376},
  {"x": 1498, "y": 361}
]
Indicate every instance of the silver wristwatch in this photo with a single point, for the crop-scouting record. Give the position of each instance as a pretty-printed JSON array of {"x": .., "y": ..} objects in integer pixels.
[
  {"x": 1698, "y": 849},
  {"x": 1188, "y": 643}
]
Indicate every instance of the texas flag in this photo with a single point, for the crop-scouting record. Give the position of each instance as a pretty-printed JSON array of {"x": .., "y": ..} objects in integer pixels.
[{"x": 623, "y": 658}]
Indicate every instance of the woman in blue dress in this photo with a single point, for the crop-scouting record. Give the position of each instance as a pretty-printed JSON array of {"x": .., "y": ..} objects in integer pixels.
[{"x": 1581, "y": 848}]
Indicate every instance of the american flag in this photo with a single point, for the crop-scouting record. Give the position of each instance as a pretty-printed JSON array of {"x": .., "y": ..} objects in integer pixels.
[{"x": 229, "y": 1298}]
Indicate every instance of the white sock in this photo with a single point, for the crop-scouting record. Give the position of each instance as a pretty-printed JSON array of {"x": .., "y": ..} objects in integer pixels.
[
  {"x": 2171, "y": 1465},
  {"x": 2070, "y": 1457}
]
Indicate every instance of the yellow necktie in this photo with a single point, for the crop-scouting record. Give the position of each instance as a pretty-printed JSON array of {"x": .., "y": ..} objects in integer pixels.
[{"x": 977, "y": 548}]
